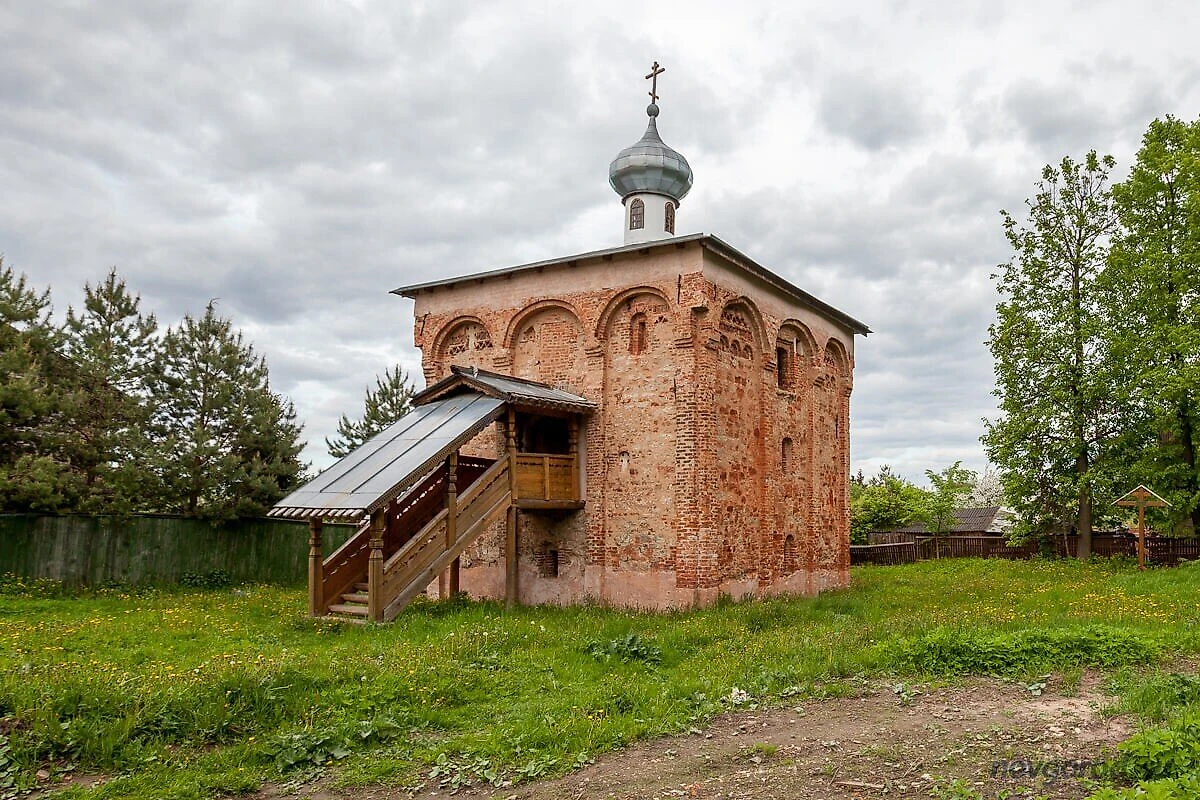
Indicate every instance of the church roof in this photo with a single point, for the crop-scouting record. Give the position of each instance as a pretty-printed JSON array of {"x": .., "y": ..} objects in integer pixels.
[{"x": 705, "y": 240}]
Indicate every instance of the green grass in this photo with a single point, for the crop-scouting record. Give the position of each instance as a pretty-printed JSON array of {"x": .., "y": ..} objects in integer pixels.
[{"x": 189, "y": 694}]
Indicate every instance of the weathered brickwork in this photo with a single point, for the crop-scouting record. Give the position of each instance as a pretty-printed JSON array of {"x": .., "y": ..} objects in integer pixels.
[{"x": 718, "y": 459}]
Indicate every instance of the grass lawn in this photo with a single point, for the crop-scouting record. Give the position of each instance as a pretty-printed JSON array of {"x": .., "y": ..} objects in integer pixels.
[{"x": 189, "y": 693}]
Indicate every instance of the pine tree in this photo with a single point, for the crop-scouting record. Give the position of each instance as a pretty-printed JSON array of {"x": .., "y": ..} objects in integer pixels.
[
  {"x": 113, "y": 346},
  {"x": 226, "y": 444},
  {"x": 390, "y": 400},
  {"x": 35, "y": 472},
  {"x": 1153, "y": 288},
  {"x": 1059, "y": 399}
]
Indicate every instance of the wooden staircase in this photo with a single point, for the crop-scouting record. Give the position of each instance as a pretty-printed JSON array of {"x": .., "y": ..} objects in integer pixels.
[{"x": 400, "y": 550}]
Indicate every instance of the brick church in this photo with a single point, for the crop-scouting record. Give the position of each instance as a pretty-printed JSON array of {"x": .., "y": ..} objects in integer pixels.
[{"x": 674, "y": 418}]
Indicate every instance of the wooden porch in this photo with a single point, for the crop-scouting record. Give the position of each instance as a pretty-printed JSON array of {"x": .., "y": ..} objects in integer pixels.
[{"x": 423, "y": 503}]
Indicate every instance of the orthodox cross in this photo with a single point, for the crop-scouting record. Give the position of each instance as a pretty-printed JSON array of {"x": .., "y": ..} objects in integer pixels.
[
  {"x": 655, "y": 71},
  {"x": 1142, "y": 498}
]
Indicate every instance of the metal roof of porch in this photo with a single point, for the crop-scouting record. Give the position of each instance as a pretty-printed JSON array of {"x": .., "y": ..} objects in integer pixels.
[{"x": 393, "y": 461}]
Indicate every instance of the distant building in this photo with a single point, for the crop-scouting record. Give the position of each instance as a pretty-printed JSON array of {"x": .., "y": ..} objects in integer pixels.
[{"x": 988, "y": 521}]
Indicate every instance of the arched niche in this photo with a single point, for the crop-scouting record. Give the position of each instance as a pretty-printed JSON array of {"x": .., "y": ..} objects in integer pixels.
[
  {"x": 836, "y": 358},
  {"x": 618, "y": 325},
  {"x": 794, "y": 351},
  {"x": 740, "y": 332},
  {"x": 463, "y": 342},
  {"x": 546, "y": 341}
]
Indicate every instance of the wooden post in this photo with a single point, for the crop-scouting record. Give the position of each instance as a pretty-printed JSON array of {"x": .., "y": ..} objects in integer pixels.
[
  {"x": 573, "y": 442},
  {"x": 510, "y": 558},
  {"x": 1141, "y": 497},
  {"x": 316, "y": 569},
  {"x": 1142, "y": 537},
  {"x": 510, "y": 526},
  {"x": 452, "y": 520},
  {"x": 375, "y": 568}
]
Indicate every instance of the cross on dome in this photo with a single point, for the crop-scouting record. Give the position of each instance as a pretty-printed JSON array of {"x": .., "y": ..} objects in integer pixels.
[
  {"x": 655, "y": 71},
  {"x": 650, "y": 177}
]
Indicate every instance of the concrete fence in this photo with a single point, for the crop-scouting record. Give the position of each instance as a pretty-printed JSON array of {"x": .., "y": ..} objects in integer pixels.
[{"x": 152, "y": 549}]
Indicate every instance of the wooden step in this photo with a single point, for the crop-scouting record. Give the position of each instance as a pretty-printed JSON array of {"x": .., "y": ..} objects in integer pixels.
[
  {"x": 356, "y": 597},
  {"x": 362, "y": 586},
  {"x": 344, "y": 618},
  {"x": 348, "y": 609}
]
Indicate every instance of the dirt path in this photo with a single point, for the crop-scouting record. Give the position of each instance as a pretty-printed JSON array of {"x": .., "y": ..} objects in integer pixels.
[{"x": 882, "y": 744}]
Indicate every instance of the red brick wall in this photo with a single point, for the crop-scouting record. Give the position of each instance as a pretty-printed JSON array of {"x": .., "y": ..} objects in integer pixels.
[{"x": 685, "y": 487}]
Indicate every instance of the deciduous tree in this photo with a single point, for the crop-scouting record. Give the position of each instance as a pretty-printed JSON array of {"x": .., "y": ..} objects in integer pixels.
[
  {"x": 882, "y": 502},
  {"x": 1153, "y": 288},
  {"x": 948, "y": 488},
  {"x": 1054, "y": 374}
]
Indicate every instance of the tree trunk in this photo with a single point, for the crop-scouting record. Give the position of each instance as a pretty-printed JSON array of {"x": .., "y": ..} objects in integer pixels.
[
  {"x": 1187, "y": 439},
  {"x": 1083, "y": 548}
]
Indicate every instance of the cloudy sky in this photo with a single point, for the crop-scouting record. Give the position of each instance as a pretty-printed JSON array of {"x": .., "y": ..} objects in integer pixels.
[{"x": 298, "y": 160}]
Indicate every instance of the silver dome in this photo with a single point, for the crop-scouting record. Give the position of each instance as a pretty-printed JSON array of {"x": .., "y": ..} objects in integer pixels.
[{"x": 650, "y": 166}]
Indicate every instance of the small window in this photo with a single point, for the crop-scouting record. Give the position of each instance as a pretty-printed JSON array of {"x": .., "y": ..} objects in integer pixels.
[
  {"x": 781, "y": 368},
  {"x": 789, "y": 554},
  {"x": 669, "y": 218},
  {"x": 637, "y": 215},
  {"x": 549, "y": 564},
  {"x": 786, "y": 455},
  {"x": 639, "y": 334}
]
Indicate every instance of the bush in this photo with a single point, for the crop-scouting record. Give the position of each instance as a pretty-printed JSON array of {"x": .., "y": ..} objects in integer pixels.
[{"x": 955, "y": 651}]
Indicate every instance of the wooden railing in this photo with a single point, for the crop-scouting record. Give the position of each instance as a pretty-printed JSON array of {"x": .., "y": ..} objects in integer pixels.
[
  {"x": 425, "y": 555},
  {"x": 542, "y": 476},
  {"x": 343, "y": 568},
  {"x": 348, "y": 564}
]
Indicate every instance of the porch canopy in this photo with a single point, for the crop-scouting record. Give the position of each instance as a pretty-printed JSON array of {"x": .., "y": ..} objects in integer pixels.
[{"x": 445, "y": 416}]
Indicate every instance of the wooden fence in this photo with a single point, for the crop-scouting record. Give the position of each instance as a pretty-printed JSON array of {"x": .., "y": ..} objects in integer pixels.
[
  {"x": 156, "y": 549},
  {"x": 907, "y": 548}
]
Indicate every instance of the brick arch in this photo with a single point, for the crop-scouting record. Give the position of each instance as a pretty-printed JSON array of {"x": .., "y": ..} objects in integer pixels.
[
  {"x": 614, "y": 305},
  {"x": 753, "y": 318},
  {"x": 794, "y": 328},
  {"x": 836, "y": 357},
  {"x": 547, "y": 343},
  {"x": 442, "y": 340},
  {"x": 521, "y": 317}
]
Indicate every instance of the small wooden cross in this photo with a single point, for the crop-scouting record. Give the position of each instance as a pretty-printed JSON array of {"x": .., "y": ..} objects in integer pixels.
[
  {"x": 1142, "y": 498},
  {"x": 655, "y": 71}
]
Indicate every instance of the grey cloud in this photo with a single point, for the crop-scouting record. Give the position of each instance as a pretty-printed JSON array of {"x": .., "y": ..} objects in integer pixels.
[{"x": 875, "y": 110}]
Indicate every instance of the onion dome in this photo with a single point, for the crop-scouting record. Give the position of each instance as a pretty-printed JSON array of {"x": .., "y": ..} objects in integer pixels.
[{"x": 650, "y": 166}]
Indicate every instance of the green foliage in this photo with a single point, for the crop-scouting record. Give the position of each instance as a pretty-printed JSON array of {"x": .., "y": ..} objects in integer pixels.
[
  {"x": 958, "y": 651},
  {"x": 214, "y": 579},
  {"x": 1058, "y": 384},
  {"x": 112, "y": 346},
  {"x": 35, "y": 469},
  {"x": 883, "y": 502},
  {"x": 98, "y": 418},
  {"x": 226, "y": 444},
  {"x": 630, "y": 647},
  {"x": 1154, "y": 297},
  {"x": 390, "y": 400},
  {"x": 949, "y": 486},
  {"x": 1157, "y": 753}
]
